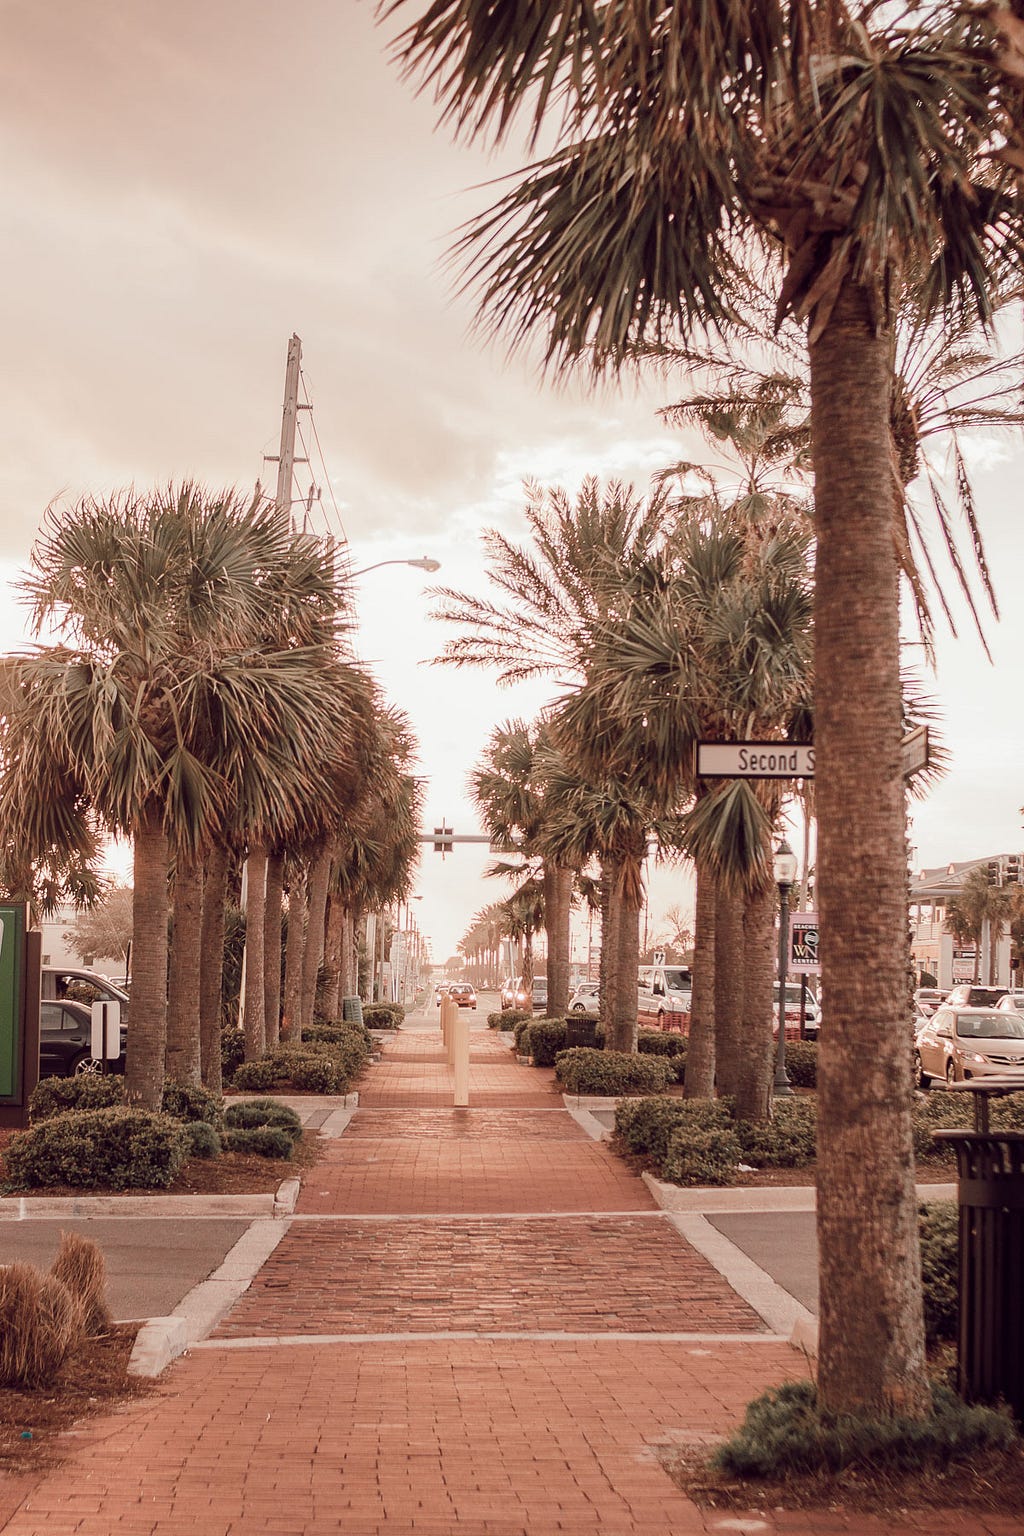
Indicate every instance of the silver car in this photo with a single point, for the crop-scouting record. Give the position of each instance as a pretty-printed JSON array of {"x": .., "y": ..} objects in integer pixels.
[{"x": 960, "y": 1043}]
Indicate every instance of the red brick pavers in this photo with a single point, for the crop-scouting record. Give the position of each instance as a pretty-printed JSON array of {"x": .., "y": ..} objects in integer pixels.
[
  {"x": 568, "y": 1275},
  {"x": 415, "y": 1073}
]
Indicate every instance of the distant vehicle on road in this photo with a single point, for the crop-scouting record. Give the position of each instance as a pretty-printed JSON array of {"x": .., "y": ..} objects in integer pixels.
[
  {"x": 961, "y": 1043},
  {"x": 1012, "y": 1002},
  {"x": 585, "y": 998},
  {"x": 665, "y": 993},
  {"x": 507, "y": 996},
  {"x": 812, "y": 1015},
  {"x": 540, "y": 995},
  {"x": 928, "y": 999},
  {"x": 968, "y": 994},
  {"x": 462, "y": 993}
]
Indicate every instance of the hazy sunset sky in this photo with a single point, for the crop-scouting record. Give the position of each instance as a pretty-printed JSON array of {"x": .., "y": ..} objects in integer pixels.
[{"x": 187, "y": 185}]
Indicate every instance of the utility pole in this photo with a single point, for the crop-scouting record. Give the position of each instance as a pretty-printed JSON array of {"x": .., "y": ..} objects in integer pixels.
[{"x": 286, "y": 460}]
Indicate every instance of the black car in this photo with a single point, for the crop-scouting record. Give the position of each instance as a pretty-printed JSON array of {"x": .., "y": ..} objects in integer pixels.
[{"x": 65, "y": 1041}]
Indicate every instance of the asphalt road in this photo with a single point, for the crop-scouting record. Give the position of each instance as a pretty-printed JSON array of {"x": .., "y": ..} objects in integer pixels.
[
  {"x": 783, "y": 1243},
  {"x": 151, "y": 1264}
]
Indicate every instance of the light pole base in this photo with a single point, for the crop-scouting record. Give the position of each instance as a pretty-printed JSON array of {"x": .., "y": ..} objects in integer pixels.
[{"x": 781, "y": 1087}]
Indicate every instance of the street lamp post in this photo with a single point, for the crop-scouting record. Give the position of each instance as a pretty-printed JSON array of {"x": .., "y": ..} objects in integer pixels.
[
  {"x": 784, "y": 870},
  {"x": 424, "y": 563}
]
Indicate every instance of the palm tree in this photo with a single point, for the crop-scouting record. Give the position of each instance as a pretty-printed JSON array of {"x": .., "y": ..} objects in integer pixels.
[
  {"x": 977, "y": 905},
  {"x": 857, "y": 141},
  {"x": 162, "y": 598}
]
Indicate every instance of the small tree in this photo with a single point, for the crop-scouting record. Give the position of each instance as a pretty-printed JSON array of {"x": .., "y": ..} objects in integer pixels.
[{"x": 105, "y": 930}]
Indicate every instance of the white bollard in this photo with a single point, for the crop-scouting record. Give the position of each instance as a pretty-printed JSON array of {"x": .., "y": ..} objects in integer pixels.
[{"x": 460, "y": 1061}]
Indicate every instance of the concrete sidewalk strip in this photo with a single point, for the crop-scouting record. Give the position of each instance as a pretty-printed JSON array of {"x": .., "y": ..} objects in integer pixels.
[
  {"x": 161, "y": 1339},
  {"x": 174, "y": 1207}
]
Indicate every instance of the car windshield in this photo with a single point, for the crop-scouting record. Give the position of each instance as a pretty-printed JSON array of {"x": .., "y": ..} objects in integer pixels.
[
  {"x": 678, "y": 980},
  {"x": 990, "y": 1026}
]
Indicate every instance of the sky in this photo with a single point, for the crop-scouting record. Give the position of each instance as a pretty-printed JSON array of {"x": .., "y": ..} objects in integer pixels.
[{"x": 187, "y": 186}]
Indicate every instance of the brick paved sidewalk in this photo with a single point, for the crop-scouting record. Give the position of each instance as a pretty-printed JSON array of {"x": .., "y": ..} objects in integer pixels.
[{"x": 476, "y": 1325}]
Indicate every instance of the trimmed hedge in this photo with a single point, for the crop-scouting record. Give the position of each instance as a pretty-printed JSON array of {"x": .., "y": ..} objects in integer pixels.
[
  {"x": 802, "y": 1063},
  {"x": 647, "y": 1126},
  {"x": 260, "y": 1141},
  {"x": 657, "y": 1042},
  {"x": 788, "y": 1140},
  {"x": 521, "y": 1031},
  {"x": 701, "y": 1155},
  {"x": 120, "y": 1148},
  {"x": 57, "y": 1095},
  {"x": 586, "y": 1070},
  {"x": 546, "y": 1037},
  {"x": 939, "y": 1229},
  {"x": 663, "y": 1129},
  {"x": 190, "y": 1101},
  {"x": 508, "y": 1018},
  {"x": 383, "y": 1015},
  {"x": 256, "y": 1112}
]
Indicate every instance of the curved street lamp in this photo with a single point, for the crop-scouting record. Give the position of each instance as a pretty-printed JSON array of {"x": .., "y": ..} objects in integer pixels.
[{"x": 424, "y": 563}]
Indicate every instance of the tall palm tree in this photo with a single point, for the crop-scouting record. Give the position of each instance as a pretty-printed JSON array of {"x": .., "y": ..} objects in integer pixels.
[
  {"x": 161, "y": 598},
  {"x": 856, "y": 140}
]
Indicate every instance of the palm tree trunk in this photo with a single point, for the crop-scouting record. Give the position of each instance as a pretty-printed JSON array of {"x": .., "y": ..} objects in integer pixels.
[
  {"x": 557, "y": 907},
  {"x": 319, "y": 880},
  {"x": 295, "y": 948},
  {"x": 253, "y": 1004},
  {"x": 755, "y": 1061},
  {"x": 728, "y": 988},
  {"x": 272, "y": 948},
  {"x": 871, "y": 1350},
  {"x": 700, "y": 1051},
  {"x": 183, "y": 1056},
  {"x": 211, "y": 966},
  {"x": 147, "y": 1037},
  {"x": 621, "y": 1023},
  {"x": 333, "y": 980},
  {"x": 607, "y": 977}
]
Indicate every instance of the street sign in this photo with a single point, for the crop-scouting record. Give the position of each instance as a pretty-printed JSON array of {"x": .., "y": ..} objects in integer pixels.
[
  {"x": 803, "y": 943},
  {"x": 754, "y": 760},
  {"x": 105, "y": 1039},
  {"x": 784, "y": 760}
]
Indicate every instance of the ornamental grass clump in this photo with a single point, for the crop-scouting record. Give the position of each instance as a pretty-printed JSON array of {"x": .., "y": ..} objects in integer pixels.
[
  {"x": 252, "y": 1113},
  {"x": 81, "y": 1267},
  {"x": 41, "y": 1321},
  {"x": 785, "y": 1433},
  {"x": 260, "y": 1141}
]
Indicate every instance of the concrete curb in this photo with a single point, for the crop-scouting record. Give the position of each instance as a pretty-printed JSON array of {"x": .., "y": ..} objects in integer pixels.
[
  {"x": 763, "y": 1197},
  {"x": 286, "y": 1198},
  {"x": 162, "y": 1339},
  {"x": 337, "y": 1122},
  {"x": 590, "y": 1123},
  {"x": 784, "y": 1315},
  {"x": 25, "y": 1207}
]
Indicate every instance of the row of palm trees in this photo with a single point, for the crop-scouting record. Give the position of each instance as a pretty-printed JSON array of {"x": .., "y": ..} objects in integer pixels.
[{"x": 196, "y": 693}]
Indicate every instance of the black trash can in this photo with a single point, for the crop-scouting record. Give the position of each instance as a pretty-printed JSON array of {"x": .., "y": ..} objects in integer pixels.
[
  {"x": 579, "y": 1031},
  {"x": 352, "y": 1010},
  {"x": 990, "y": 1169}
]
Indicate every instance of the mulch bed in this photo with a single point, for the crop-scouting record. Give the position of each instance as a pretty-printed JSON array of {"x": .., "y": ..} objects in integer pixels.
[
  {"x": 993, "y": 1483},
  {"x": 232, "y": 1173},
  {"x": 93, "y": 1378}
]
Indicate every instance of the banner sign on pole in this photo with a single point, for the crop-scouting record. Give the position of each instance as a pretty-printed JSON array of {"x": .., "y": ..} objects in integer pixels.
[{"x": 803, "y": 943}]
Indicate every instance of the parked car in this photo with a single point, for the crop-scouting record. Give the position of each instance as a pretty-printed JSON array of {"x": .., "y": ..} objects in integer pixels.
[
  {"x": 507, "y": 995},
  {"x": 462, "y": 993},
  {"x": 664, "y": 995},
  {"x": 960, "y": 1043},
  {"x": 540, "y": 995},
  {"x": 585, "y": 998},
  {"x": 927, "y": 999},
  {"x": 65, "y": 1041},
  {"x": 967, "y": 994},
  {"x": 812, "y": 1012},
  {"x": 80, "y": 986},
  {"x": 1012, "y": 1002}
]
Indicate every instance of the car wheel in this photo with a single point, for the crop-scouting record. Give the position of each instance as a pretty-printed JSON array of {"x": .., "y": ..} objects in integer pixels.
[
  {"x": 951, "y": 1076},
  {"x": 85, "y": 1066},
  {"x": 922, "y": 1082},
  {"x": 661, "y": 1018}
]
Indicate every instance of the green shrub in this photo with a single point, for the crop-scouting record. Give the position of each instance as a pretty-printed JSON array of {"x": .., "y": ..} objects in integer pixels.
[
  {"x": 190, "y": 1101},
  {"x": 785, "y": 1432},
  {"x": 699, "y": 1155},
  {"x": 657, "y": 1042},
  {"x": 939, "y": 1228},
  {"x": 57, "y": 1095},
  {"x": 646, "y": 1125},
  {"x": 802, "y": 1063},
  {"x": 521, "y": 1030},
  {"x": 253, "y": 1112},
  {"x": 315, "y": 1074},
  {"x": 260, "y": 1141},
  {"x": 118, "y": 1148},
  {"x": 340, "y": 1034},
  {"x": 508, "y": 1018},
  {"x": 255, "y": 1076},
  {"x": 383, "y": 1015},
  {"x": 788, "y": 1140},
  {"x": 232, "y": 1049},
  {"x": 938, "y": 1111},
  {"x": 545, "y": 1039},
  {"x": 203, "y": 1140},
  {"x": 587, "y": 1070}
]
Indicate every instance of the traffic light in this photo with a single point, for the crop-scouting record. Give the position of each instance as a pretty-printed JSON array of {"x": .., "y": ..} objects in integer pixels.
[
  {"x": 442, "y": 839},
  {"x": 993, "y": 872},
  {"x": 1014, "y": 869}
]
